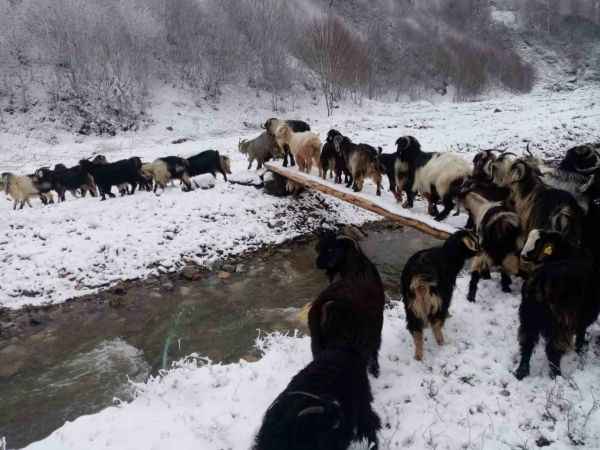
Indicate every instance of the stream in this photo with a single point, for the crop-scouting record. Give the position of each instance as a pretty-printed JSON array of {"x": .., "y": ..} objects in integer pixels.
[{"x": 76, "y": 358}]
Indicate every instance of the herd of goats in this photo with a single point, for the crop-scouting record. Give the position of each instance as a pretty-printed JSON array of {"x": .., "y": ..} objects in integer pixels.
[{"x": 527, "y": 218}]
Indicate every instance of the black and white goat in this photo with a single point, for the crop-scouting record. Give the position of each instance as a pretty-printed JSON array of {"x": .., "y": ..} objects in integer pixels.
[
  {"x": 428, "y": 281},
  {"x": 326, "y": 406},
  {"x": 350, "y": 310},
  {"x": 498, "y": 230},
  {"x": 179, "y": 169},
  {"x": 560, "y": 299},
  {"x": 436, "y": 176},
  {"x": 539, "y": 206}
]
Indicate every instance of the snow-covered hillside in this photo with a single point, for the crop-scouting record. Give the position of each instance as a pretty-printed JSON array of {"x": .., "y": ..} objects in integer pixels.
[{"x": 49, "y": 254}]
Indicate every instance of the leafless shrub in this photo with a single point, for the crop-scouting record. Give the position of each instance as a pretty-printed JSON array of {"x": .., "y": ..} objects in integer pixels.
[{"x": 336, "y": 55}]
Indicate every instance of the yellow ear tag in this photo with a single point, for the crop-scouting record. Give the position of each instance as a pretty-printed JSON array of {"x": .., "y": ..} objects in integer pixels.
[{"x": 548, "y": 249}]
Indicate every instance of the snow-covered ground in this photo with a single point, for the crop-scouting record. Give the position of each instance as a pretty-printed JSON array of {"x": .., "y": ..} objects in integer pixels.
[
  {"x": 67, "y": 250},
  {"x": 462, "y": 396}
]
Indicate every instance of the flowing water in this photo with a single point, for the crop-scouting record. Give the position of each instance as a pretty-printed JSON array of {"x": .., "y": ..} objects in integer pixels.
[{"x": 80, "y": 356}]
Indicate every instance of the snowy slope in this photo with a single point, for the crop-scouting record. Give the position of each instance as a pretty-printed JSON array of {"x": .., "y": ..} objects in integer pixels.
[
  {"x": 462, "y": 396},
  {"x": 55, "y": 253}
]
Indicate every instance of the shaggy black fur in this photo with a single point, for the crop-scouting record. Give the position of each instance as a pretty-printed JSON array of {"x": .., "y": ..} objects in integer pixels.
[
  {"x": 208, "y": 161},
  {"x": 71, "y": 179},
  {"x": 179, "y": 169},
  {"x": 437, "y": 268},
  {"x": 560, "y": 299},
  {"x": 113, "y": 174},
  {"x": 326, "y": 406},
  {"x": 409, "y": 159},
  {"x": 497, "y": 239},
  {"x": 388, "y": 163},
  {"x": 329, "y": 155},
  {"x": 552, "y": 209},
  {"x": 350, "y": 310}
]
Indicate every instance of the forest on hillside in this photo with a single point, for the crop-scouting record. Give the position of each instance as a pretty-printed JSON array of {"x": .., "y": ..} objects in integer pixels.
[{"x": 100, "y": 59}]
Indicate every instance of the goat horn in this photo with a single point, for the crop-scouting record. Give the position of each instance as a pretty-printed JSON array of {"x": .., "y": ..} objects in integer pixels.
[
  {"x": 312, "y": 410},
  {"x": 527, "y": 150},
  {"x": 503, "y": 154},
  {"x": 591, "y": 169}
]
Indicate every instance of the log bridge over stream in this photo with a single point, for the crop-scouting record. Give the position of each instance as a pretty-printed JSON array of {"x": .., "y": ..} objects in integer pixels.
[{"x": 385, "y": 205}]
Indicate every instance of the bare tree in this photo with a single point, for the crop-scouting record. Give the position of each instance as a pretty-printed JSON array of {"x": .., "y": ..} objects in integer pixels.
[{"x": 336, "y": 55}]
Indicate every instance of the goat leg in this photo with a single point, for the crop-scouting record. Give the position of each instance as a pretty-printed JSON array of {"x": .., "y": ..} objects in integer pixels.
[
  {"x": 554, "y": 356},
  {"x": 580, "y": 342},
  {"x": 472, "y": 295},
  {"x": 527, "y": 340},
  {"x": 505, "y": 281},
  {"x": 418, "y": 340}
]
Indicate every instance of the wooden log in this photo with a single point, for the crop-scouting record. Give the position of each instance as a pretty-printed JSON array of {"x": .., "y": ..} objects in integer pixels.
[{"x": 358, "y": 200}]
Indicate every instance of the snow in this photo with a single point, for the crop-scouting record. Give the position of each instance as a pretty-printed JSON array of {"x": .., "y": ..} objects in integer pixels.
[
  {"x": 51, "y": 254},
  {"x": 463, "y": 395}
]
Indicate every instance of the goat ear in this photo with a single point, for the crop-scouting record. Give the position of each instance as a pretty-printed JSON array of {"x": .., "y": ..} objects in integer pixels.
[
  {"x": 517, "y": 172},
  {"x": 471, "y": 242},
  {"x": 311, "y": 410}
]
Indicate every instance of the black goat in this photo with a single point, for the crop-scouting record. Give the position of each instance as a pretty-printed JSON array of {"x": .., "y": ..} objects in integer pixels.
[
  {"x": 349, "y": 311},
  {"x": 326, "y": 406},
  {"x": 209, "y": 161},
  {"x": 559, "y": 299},
  {"x": 428, "y": 281},
  {"x": 116, "y": 173},
  {"x": 70, "y": 179},
  {"x": 388, "y": 165},
  {"x": 330, "y": 159},
  {"x": 179, "y": 169}
]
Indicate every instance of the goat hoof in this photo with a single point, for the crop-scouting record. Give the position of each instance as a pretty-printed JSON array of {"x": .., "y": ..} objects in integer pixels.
[
  {"x": 522, "y": 372},
  {"x": 506, "y": 289},
  {"x": 471, "y": 298}
]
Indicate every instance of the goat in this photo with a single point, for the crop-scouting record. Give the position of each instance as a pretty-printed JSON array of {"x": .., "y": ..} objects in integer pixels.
[
  {"x": 179, "y": 170},
  {"x": 297, "y": 126},
  {"x": 539, "y": 206},
  {"x": 304, "y": 146},
  {"x": 436, "y": 176},
  {"x": 72, "y": 179},
  {"x": 498, "y": 230},
  {"x": 116, "y": 173},
  {"x": 428, "y": 281},
  {"x": 209, "y": 161},
  {"x": 339, "y": 160},
  {"x": 261, "y": 149},
  {"x": 559, "y": 299},
  {"x": 19, "y": 188},
  {"x": 158, "y": 172},
  {"x": 42, "y": 181},
  {"x": 329, "y": 157},
  {"x": 123, "y": 187},
  {"x": 327, "y": 405},
  {"x": 362, "y": 161},
  {"x": 388, "y": 164},
  {"x": 349, "y": 310}
]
